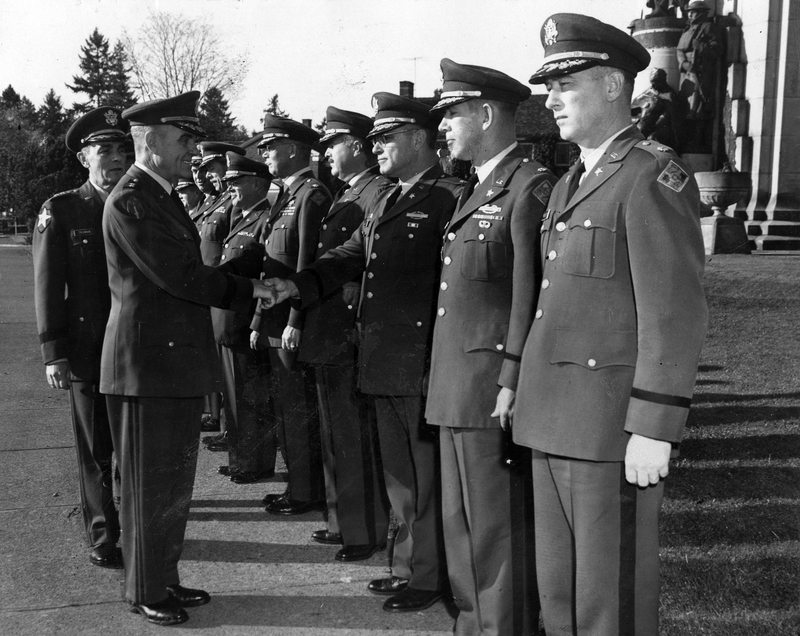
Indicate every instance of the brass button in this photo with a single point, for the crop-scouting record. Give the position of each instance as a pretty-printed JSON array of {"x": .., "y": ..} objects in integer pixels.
[
  {"x": 539, "y": 313},
  {"x": 552, "y": 255},
  {"x": 447, "y": 260},
  {"x": 441, "y": 311},
  {"x": 500, "y": 347},
  {"x": 545, "y": 284},
  {"x": 369, "y": 294},
  {"x": 592, "y": 362},
  {"x": 370, "y": 275},
  {"x": 451, "y": 236},
  {"x": 561, "y": 226}
]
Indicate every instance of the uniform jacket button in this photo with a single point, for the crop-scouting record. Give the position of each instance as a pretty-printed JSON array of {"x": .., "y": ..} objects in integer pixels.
[
  {"x": 452, "y": 236},
  {"x": 370, "y": 275},
  {"x": 419, "y": 323},
  {"x": 373, "y": 255},
  {"x": 443, "y": 285},
  {"x": 592, "y": 362},
  {"x": 324, "y": 226},
  {"x": 369, "y": 294},
  {"x": 539, "y": 313},
  {"x": 545, "y": 284},
  {"x": 587, "y": 223},
  {"x": 500, "y": 347},
  {"x": 441, "y": 311},
  {"x": 171, "y": 344},
  {"x": 447, "y": 260},
  {"x": 552, "y": 255},
  {"x": 561, "y": 226}
]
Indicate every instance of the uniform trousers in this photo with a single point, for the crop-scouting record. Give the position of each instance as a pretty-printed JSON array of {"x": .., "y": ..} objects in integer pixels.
[
  {"x": 156, "y": 441},
  {"x": 410, "y": 458},
  {"x": 596, "y": 548},
  {"x": 94, "y": 448},
  {"x": 488, "y": 528},
  {"x": 354, "y": 489},
  {"x": 251, "y": 438},
  {"x": 295, "y": 417}
]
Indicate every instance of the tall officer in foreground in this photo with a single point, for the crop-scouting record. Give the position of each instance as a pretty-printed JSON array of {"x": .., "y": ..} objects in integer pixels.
[
  {"x": 291, "y": 241},
  {"x": 609, "y": 366},
  {"x": 159, "y": 357},
  {"x": 72, "y": 305},
  {"x": 398, "y": 248},
  {"x": 354, "y": 489},
  {"x": 490, "y": 281}
]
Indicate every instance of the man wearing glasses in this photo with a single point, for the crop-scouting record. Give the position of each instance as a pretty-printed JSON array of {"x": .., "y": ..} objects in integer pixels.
[{"x": 397, "y": 249}]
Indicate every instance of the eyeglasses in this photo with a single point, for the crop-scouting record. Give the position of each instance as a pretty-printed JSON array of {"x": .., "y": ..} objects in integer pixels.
[{"x": 382, "y": 140}]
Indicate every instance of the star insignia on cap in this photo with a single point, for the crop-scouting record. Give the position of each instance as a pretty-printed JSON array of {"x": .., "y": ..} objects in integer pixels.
[
  {"x": 489, "y": 193},
  {"x": 550, "y": 32},
  {"x": 598, "y": 171},
  {"x": 111, "y": 118},
  {"x": 44, "y": 219},
  {"x": 412, "y": 195}
]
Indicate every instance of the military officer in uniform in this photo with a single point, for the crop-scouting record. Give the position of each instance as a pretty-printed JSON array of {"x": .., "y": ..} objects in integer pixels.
[
  {"x": 354, "y": 490},
  {"x": 251, "y": 444},
  {"x": 159, "y": 357},
  {"x": 397, "y": 248},
  {"x": 487, "y": 296},
  {"x": 609, "y": 365},
  {"x": 291, "y": 242},
  {"x": 214, "y": 224},
  {"x": 190, "y": 195},
  {"x": 72, "y": 305},
  {"x": 200, "y": 177}
]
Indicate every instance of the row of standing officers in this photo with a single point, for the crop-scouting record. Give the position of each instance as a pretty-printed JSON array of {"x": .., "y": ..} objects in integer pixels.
[{"x": 427, "y": 319}]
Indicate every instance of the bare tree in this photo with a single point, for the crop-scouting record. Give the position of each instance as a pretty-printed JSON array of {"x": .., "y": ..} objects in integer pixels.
[{"x": 172, "y": 54}]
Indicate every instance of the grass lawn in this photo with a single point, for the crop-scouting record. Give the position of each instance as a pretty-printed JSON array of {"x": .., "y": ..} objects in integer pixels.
[{"x": 730, "y": 547}]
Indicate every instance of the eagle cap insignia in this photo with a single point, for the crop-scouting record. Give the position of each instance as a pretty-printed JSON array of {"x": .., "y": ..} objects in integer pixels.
[
  {"x": 375, "y": 105},
  {"x": 550, "y": 32},
  {"x": 111, "y": 118}
]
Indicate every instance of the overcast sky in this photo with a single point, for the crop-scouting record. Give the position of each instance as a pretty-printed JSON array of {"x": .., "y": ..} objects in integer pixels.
[{"x": 313, "y": 53}]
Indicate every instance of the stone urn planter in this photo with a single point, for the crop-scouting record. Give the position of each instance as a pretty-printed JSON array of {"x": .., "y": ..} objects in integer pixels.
[{"x": 723, "y": 234}]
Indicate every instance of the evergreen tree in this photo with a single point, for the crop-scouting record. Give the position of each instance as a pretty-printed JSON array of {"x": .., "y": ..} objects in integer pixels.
[
  {"x": 52, "y": 118},
  {"x": 119, "y": 93},
  {"x": 104, "y": 75},
  {"x": 274, "y": 107},
  {"x": 215, "y": 117}
]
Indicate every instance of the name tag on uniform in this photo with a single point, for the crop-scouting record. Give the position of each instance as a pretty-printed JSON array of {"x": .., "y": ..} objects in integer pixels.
[{"x": 413, "y": 225}]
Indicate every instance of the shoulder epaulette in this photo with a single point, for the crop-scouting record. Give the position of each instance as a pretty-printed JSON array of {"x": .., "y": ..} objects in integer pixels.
[
  {"x": 64, "y": 194},
  {"x": 656, "y": 149}
]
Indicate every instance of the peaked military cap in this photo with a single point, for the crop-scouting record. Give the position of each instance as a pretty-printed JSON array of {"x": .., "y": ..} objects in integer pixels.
[
  {"x": 242, "y": 166},
  {"x": 393, "y": 111},
  {"x": 96, "y": 126},
  {"x": 345, "y": 122},
  {"x": 196, "y": 161},
  {"x": 211, "y": 150},
  {"x": 183, "y": 184},
  {"x": 276, "y": 128},
  {"x": 462, "y": 82},
  {"x": 574, "y": 43},
  {"x": 697, "y": 5},
  {"x": 179, "y": 111}
]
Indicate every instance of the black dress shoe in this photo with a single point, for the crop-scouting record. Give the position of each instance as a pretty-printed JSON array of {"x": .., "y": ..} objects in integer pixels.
[
  {"x": 273, "y": 497},
  {"x": 220, "y": 446},
  {"x": 226, "y": 471},
  {"x": 166, "y": 612},
  {"x": 357, "y": 552},
  {"x": 412, "y": 600},
  {"x": 210, "y": 439},
  {"x": 328, "y": 538},
  {"x": 248, "y": 476},
  {"x": 293, "y": 507},
  {"x": 106, "y": 555},
  {"x": 187, "y": 597},
  {"x": 390, "y": 585},
  {"x": 209, "y": 426}
]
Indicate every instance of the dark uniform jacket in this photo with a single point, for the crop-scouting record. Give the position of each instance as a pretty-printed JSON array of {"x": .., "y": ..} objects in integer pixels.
[
  {"x": 291, "y": 243},
  {"x": 398, "y": 250},
  {"x": 196, "y": 214},
  {"x": 328, "y": 336},
  {"x": 214, "y": 226},
  {"x": 490, "y": 281},
  {"x": 159, "y": 341},
  {"x": 616, "y": 337},
  {"x": 69, "y": 256},
  {"x": 243, "y": 255}
]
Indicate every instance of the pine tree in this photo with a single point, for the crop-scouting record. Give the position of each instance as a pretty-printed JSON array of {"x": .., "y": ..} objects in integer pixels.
[
  {"x": 105, "y": 75},
  {"x": 274, "y": 107},
  {"x": 119, "y": 92},
  {"x": 94, "y": 65},
  {"x": 52, "y": 118},
  {"x": 215, "y": 118}
]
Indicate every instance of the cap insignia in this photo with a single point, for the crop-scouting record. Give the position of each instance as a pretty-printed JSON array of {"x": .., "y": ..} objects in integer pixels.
[
  {"x": 375, "y": 105},
  {"x": 111, "y": 117},
  {"x": 550, "y": 32}
]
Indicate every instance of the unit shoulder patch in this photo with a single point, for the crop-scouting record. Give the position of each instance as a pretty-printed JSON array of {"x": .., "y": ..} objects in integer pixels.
[
  {"x": 674, "y": 177},
  {"x": 133, "y": 207},
  {"x": 542, "y": 191}
]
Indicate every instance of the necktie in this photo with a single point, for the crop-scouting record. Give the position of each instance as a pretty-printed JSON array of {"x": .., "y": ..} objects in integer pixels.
[
  {"x": 575, "y": 179},
  {"x": 341, "y": 192},
  {"x": 466, "y": 193},
  {"x": 392, "y": 199}
]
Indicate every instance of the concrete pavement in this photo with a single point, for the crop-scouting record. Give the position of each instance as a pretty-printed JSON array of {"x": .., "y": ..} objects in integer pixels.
[{"x": 265, "y": 575}]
